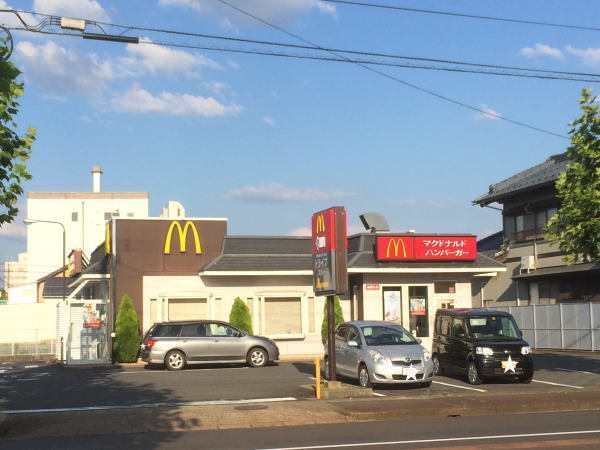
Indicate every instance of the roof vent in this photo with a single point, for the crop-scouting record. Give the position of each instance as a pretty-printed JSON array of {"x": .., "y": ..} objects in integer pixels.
[{"x": 374, "y": 222}]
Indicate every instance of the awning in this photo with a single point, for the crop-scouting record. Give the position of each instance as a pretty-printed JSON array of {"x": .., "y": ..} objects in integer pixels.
[{"x": 559, "y": 272}]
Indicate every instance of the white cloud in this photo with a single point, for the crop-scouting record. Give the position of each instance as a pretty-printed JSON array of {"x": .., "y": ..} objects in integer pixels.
[
  {"x": 278, "y": 193},
  {"x": 541, "y": 50},
  {"x": 590, "y": 56},
  {"x": 139, "y": 100},
  {"x": 154, "y": 59},
  {"x": 217, "y": 87},
  {"x": 14, "y": 229},
  {"x": 78, "y": 9},
  {"x": 268, "y": 120},
  {"x": 62, "y": 71},
  {"x": 487, "y": 114},
  {"x": 268, "y": 10}
]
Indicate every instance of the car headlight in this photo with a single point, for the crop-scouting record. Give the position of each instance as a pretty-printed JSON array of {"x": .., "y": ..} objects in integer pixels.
[
  {"x": 378, "y": 358},
  {"x": 426, "y": 355},
  {"x": 485, "y": 351},
  {"x": 525, "y": 350}
]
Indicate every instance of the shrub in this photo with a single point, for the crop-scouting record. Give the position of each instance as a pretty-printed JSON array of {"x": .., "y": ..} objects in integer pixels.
[
  {"x": 338, "y": 317},
  {"x": 240, "y": 315},
  {"x": 127, "y": 339}
]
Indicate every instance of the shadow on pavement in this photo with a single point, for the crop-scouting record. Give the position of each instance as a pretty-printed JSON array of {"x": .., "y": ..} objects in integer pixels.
[
  {"x": 303, "y": 367},
  {"x": 556, "y": 361}
]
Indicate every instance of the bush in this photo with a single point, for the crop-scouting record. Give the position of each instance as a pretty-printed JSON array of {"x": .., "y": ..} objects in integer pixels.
[
  {"x": 240, "y": 315},
  {"x": 127, "y": 339},
  {"x": 338, "y": 317}
]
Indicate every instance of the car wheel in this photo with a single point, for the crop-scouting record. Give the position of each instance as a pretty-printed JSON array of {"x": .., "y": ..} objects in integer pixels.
[
  {"x": 437, "y": 369},
  {"x": 364, "y": 378},
  {"x": 257, "y": 357},
  {"x": 525, "y": 379},
  {"x": 175, "y": 360},
  {"x": 472, "y": 374},
  {"x": 426, "y": 384}
]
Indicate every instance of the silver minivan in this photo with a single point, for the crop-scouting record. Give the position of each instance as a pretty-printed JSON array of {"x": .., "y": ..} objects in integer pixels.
[
  {"x": 380, "y": 352},
  {"x": 177, "y": 344}
]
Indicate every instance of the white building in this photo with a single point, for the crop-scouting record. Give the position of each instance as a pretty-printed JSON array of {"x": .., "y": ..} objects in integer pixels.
[{"x": 83, "y": 215}]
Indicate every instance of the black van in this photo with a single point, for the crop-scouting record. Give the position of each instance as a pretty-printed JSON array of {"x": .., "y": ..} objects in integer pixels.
[{"x": 481, "y": 343}]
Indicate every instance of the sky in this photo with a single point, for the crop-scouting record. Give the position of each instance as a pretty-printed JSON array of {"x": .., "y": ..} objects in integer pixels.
[{"x": 266, "y": 141}]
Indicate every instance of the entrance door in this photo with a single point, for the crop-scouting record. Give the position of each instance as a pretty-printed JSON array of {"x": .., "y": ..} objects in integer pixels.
[{"x": 87, "y": 340}]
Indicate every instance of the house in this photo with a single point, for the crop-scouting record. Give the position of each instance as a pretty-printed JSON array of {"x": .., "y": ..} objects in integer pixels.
[{"x": 536, "y": 272}]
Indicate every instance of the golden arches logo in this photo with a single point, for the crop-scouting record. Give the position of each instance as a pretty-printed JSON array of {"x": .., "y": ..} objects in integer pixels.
[
  {"x": 396, "y": 244},
  {"x": 189, "y": 225},
  {"x": 320, "y": 228}
]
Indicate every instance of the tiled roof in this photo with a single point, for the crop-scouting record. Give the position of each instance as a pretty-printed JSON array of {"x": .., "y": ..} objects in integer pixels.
[
  {"x": 53, "y": 287},
  {"x": 543, "y": 174}
]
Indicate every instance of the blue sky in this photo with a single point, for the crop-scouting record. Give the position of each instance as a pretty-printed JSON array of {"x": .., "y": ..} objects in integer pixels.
[{"x": 267, "y": 141}]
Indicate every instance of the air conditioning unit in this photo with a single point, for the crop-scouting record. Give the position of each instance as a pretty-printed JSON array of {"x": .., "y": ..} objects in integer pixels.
[{"x": 527, "y": 263}]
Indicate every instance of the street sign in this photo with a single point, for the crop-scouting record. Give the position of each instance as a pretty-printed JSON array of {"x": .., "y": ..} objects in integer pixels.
[{"x": 329, "y": 250}]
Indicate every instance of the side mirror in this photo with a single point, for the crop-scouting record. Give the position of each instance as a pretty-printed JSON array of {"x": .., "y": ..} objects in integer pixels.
[
  {"x": 419, "y": 341},
  {"x": 353, "y": 344}
]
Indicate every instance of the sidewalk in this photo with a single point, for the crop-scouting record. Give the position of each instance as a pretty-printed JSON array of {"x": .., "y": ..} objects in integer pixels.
[{"x": 288, "y": 413}]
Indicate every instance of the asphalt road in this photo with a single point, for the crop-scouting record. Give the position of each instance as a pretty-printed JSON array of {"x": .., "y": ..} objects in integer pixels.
[
  {"x": 25, "y": 387},
  {"x": 579, "y": 429}
]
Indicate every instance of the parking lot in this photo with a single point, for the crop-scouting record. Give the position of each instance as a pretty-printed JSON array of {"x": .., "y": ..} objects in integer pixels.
[{"x": 34, "y": 386}]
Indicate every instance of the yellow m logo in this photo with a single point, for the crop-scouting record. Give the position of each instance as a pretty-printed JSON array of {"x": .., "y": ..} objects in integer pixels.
[
  {"x": 396, "y": 244},
  {"x": 182, "y": 236},
  {"x": 320, "y": 224}
]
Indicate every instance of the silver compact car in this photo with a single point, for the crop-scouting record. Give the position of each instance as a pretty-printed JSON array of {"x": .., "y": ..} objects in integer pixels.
[
  {"x": 177, "y": 344},
  {"x": 380, "y": 352}
]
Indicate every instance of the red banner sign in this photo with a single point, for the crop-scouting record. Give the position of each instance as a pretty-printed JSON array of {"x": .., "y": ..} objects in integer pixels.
[{"x": 415, "y": 248}]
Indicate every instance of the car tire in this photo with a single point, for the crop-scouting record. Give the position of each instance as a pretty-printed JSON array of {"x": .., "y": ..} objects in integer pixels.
[
  {"x": 525, "y": 379},
  {"x": 426, "y": 384},
  {"x": 437, "y": 368},
  {"x": 364, "y": 379},
  {"x": 175, "y": 360},
  {"x": 257, "y": 357},
  {"x": 473, "y": 374}
]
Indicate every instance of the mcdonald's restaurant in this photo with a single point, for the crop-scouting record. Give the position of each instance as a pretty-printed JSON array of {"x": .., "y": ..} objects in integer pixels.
[{"x": 192, "y": 269}]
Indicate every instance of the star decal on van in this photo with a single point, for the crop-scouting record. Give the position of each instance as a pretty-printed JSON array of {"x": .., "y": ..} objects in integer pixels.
[
  {"x": 509, "y": 365},
  {"x": 411, "y": 373}
]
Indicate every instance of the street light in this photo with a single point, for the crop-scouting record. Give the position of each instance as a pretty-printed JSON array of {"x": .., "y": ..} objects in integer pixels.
[{"x": 32, "y": 221}]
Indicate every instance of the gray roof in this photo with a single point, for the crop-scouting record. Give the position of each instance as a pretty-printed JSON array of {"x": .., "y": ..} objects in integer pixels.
[
  {"x": 285, "y": 253},
  {"x": 543, "y": 174},
  {"x": 53, "y": 287},
  {"x": 558, "y": 271}
]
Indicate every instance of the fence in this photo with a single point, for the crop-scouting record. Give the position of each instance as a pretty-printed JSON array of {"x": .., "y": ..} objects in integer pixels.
[
  {"x": 566, "y": 326},
  {"x": 30, "y": 346}
]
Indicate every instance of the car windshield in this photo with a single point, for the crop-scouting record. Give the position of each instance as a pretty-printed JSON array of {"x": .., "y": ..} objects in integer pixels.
[
  {"x": 387, "y": 335},
  {"x": 493, "y": 327}
]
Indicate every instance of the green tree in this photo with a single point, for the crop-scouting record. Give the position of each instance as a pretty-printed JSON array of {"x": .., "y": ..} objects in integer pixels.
[
  {"x": 14, "y": 149},
  {"x": 576, "y": 227},
  {"x": 240, "y": 315},
  {"x": 127, "y": 339},
  {"x": 3, "y": 294},
  {"x": 338, "y": 317}
]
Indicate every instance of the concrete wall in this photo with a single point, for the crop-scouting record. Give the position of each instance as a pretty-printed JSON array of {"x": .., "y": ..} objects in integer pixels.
[{"x": 27, "y": 322}]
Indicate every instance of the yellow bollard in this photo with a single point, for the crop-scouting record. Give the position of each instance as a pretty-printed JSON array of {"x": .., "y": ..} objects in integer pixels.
[{"x": 318, "y": 378}]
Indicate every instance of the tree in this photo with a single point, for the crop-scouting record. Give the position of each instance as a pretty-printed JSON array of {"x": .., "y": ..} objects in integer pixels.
[
  {"x": 338, "y": 317},
  {"x": 3, "y": 294},
  {"x": 127, "y": 339},
  {"x": 576, "y": 227},
  {"x": 14, "y": 150},
  {"x": 240, "y": 315}
]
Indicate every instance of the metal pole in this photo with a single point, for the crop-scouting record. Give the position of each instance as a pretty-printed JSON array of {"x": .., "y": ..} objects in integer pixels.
[{"x": 331, "y": 338}]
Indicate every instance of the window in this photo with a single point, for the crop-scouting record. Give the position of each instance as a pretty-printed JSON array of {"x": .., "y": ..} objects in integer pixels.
[
  {"x": 446, "y": 322},
  {"x": 392, "y": 309},
  {"x": 417, "y": 300},
  {"x": 187, "y": 309},
  {"x": 341, "y": 332},
  {"x": 386, "y": 335},
  {"x": 283, "y": 315},
  {"x": 353, "y": 335},
  {"x": 166, "y": 331},
  {"x": 193, "y": 330},
  {"x": 444, "y": 287},
  {"x": 458, "y": 328},
  {"x": 74, "y": 216},
  {"x": 219, "y": 330}
]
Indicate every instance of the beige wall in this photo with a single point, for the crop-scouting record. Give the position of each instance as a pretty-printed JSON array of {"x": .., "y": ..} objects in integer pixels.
[{"x": 28, "y": 322}]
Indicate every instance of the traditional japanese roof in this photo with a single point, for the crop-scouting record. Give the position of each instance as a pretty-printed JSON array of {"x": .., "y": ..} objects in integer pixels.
[
  {"x": 558, "y": 271},
  {"x": 544, "y": 174},
  {"x": 53, "y": 287},
  {"x": 255, "y": 255}
]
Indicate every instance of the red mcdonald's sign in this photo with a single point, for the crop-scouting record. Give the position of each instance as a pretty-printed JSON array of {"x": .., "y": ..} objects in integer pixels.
[{"x": 426, "y": 248}]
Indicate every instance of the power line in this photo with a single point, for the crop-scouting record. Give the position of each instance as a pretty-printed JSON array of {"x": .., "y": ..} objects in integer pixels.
[
  {"x": 466, "y": 16},
  {"x": 48, "y": 20},
  {"x": 405, "y": 83}
]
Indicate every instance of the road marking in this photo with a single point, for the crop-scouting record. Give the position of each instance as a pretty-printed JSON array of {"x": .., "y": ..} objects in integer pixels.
[
  {"x": 198, "y": 370},
  {"x": 461, "y": 387},
  {"x": 578, "y": 371},
  {"x": 28, "y": 379},
  {"x": 379, "y": 395},
  {"x": 425, "y": 441},
  {"x": 558, "y": 384},
  {"x": 31, "y": 367},
  {"x": 153, "y": 405}
]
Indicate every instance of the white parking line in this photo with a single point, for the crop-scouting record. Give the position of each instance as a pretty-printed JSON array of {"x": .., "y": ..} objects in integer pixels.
[
  {"x": 379, "y": 395},
  {"x": 557, "y": 384},
  {"x": 460, "y": 387},
  {"x": 32, "y": 367},
  {"x": 578, "y": 371},
  {"x": 153, "y": 405},
  {"x": 425, "y": 441},
  {"x": 28, "y": 379},
  {"x": 199, "y": 370}
]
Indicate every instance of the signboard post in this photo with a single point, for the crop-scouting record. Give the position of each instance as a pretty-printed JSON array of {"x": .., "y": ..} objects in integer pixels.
[{"x": 330, "y": 275}]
